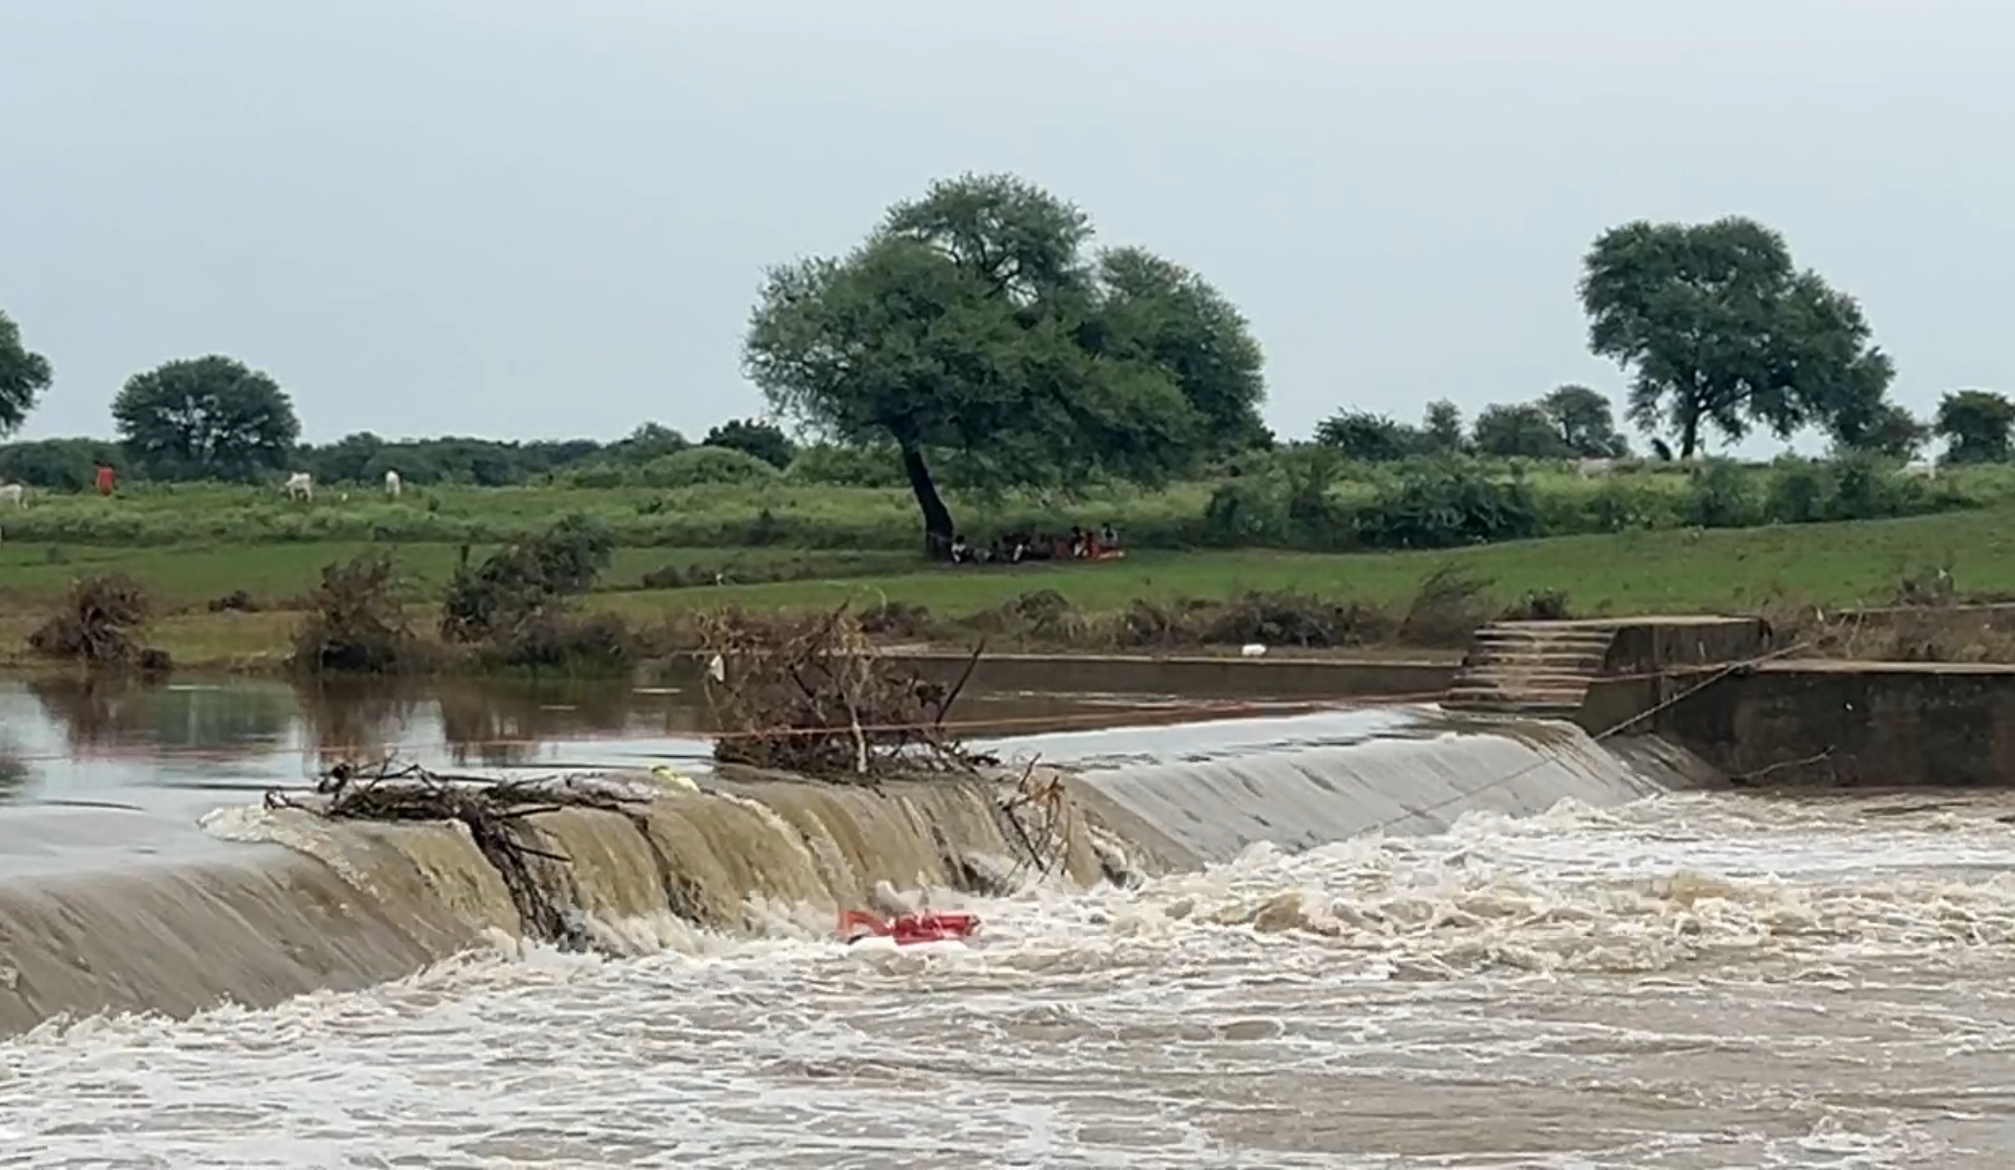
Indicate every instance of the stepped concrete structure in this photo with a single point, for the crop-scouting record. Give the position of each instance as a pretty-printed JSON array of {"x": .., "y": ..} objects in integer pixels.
[
  {"x": 1531, "y": 668},
  {"x": 1546, "y": 669}
]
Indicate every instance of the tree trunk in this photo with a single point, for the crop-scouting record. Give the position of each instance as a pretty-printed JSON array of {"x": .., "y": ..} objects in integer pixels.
[
  {"x": 937, "y": 518},
  {"x": 1689, "y": 435}
]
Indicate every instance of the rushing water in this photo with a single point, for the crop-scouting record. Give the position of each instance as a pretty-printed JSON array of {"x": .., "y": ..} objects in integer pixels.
[{"x": 1682, "y": 981}]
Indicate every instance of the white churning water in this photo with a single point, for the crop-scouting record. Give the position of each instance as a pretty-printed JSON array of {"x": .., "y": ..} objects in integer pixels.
[{"x": 1670, "y": 981}]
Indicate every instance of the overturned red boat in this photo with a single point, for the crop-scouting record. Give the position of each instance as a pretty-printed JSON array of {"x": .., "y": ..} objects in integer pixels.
[{"x": 904, "y": 929}]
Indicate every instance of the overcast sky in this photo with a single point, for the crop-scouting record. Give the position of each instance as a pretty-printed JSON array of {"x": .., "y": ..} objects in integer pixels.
[{"x": 517, "y": 218}]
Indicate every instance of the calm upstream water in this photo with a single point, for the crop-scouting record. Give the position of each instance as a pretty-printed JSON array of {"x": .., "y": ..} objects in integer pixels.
[{"x": 1683, "y": 981}]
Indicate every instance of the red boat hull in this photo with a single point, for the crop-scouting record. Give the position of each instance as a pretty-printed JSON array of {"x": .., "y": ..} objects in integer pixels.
[{"x": 905, "y": 929}]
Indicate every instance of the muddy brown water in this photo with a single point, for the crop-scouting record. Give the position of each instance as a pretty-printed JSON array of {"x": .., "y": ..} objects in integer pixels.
[{"x": 1393, "y": 942}]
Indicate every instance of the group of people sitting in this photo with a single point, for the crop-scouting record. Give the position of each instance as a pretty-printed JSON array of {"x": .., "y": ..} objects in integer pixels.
[{"x": 1083, "y": 544}]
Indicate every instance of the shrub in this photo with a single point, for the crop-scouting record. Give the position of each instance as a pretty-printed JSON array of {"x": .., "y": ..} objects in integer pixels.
[
  {"x": 1250, "y": 510},
  {"x": 1720, "y": 496},
  {"x": 696, "y": 466},
  {"x": 99, "y": 623},
  {"x": 357, "y": 621},
  {"x": 551, "y": 640},
  {"x": 1446, "y": 610},
  {"x": 524, "y": 581},
  {"x": 1447, "y": 506}
]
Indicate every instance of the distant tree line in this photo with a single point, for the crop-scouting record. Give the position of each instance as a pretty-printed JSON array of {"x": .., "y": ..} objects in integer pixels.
[{"x": 977, "y": 338}]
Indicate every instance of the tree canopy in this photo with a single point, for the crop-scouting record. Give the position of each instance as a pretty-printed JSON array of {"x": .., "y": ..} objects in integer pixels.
[
  {"x": 208, "y": 417},
  {"x": 765, "y": 441},
  {"x": 1518, "y": 431},
  {"x": 1977, "y": 425},
  {"x": 1584, "y": 422},
  {"x": 976, "y": 326},
  {"x": 24, "y": 375},
  {"x": 1718, "y": 328}
]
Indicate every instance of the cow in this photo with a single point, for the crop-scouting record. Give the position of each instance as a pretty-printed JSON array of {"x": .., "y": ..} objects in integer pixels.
[
  {"x": 300, "y": 486},
  {"x": 1921, "y": 468},
  {"x": 392, "y": 484},
  {"x": 13, "y": 493},
  {"x": 1594, "y": 468}
]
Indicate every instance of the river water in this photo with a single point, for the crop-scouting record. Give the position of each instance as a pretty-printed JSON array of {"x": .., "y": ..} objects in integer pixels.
[{"x": 1679, "y": 981}]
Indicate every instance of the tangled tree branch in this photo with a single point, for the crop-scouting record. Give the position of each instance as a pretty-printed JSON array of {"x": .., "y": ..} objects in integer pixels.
[
  {"x": 812, "y": 695},
  {"x": 497, "y": 814}
]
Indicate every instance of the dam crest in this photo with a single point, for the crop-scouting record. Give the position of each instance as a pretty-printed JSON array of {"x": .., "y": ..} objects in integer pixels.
[{"x": 283, "y": 902}]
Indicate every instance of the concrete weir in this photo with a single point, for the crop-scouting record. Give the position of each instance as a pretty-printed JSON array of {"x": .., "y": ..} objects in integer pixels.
[
  {"x": 1723, "y": 692},
  {"x": 260, "y": 905}
]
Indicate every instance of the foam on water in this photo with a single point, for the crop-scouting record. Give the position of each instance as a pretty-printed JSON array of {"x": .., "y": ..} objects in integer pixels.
[{"x": 1683, "y": 981}]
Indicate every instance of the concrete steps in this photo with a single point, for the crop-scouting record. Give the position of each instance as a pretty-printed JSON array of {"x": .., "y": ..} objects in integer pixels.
[{"x": 1530, "y": 668}]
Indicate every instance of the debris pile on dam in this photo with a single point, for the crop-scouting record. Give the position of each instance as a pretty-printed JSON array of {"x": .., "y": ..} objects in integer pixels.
[
  {"x": 498, "y": 815},
  {"x": 810, "y": 694}
]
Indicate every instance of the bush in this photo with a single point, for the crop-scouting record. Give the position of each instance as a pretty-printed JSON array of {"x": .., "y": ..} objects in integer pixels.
[
  {"x": 99, "y": 624},
  {"x": 863, "y": 467},
  {"x": 1720, "y": 496},
  {"x": 524, "y": 582},
  {"x": 1446, "y": 610},
  {"x": 357, "y": 621},
  {"x": 1448, "y": 506},
  {"x": 696, "y": 466},
  {"x": 1248, "y": 511},
  {"x": 585, "y": 643}
]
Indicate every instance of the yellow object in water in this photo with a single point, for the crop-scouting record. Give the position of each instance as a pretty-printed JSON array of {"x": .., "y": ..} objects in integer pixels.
[{"x": 678, "y": 780}]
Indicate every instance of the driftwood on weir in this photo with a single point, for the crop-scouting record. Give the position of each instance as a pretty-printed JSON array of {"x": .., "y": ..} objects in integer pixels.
[
  {"x": 811, "y": 694},
  {"x": 496, "y": 813}
]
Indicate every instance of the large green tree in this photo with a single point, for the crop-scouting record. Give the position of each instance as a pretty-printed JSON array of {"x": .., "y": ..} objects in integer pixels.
[
  {"x": 976, "y": 325},
  {"x": 1518, "y": 431},
  {"x": 1977, "y": 426},
  {"x": 1585, "y": 422},
  {"x": 24, "y": 375},
  {"x": 1718, "y": 328},
  {"x": 206, "y": 418}
]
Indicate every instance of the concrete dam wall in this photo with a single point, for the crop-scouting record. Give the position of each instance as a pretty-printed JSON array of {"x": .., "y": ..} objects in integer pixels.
[{"x": 262, "y": 905}]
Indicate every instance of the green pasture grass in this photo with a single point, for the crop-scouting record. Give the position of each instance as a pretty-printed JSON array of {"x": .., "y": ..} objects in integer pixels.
[
  {"x": 276, "y": 574},
  {"x": 798, "y": 514},
  {"x": 1732, "y": 570},
  {"x": 1633, "y": 573}
]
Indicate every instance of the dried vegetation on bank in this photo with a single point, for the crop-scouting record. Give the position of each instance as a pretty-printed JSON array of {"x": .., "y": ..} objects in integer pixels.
[{"x": 814, "y": 695}]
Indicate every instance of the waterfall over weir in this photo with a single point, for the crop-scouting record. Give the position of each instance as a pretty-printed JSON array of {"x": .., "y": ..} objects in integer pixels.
[{"x": 115, "y": 910}]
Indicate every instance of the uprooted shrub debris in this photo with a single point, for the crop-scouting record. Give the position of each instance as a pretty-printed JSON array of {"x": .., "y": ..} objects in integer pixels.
[
  {"x": 514, "y": 605},
  {"x": 543, "y": 888},
  {"x": 811, "y": 694},
  {"x": 358, "y": 620},
  {"x": 497, "y": 815},
  {"x": 100, "y": 623}
]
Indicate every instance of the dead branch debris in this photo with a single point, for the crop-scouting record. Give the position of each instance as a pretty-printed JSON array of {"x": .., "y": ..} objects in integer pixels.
[
  {"x": 100, "y": 623},
  {"x": 497, "y": 814},
  {"x": 811, "y": 694}
]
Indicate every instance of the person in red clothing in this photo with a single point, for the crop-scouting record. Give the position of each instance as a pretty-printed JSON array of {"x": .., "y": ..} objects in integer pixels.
[{"x": 105, "y": 477}]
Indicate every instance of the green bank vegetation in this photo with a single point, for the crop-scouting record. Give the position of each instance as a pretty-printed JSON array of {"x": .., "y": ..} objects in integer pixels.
[
  {"x": 980, "y": 364},
  {"x": 520, "y": 612}
]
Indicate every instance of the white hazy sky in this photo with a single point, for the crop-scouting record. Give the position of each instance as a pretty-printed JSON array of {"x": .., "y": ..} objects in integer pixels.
[{"x": 516, "y": 218}]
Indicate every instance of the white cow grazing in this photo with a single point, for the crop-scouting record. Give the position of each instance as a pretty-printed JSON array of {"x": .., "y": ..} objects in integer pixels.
[
  {"x": 300, "y": 486},
  {"x": 1594, "y": 468},
  {"x": 392, "y": 484},
  {"x": 13, "y": 493},
  {"x": 1922, "y": 468}
]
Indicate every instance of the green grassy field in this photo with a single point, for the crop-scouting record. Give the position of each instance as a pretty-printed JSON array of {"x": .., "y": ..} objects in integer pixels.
[
  {"x": 279, "y": 574},
  {"x": 1634, "y": 573},
  {"x": 783, "y": 512}
]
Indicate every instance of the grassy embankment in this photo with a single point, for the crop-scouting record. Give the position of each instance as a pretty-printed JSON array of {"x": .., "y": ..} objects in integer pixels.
[{"x": 1630, "y": 573}]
